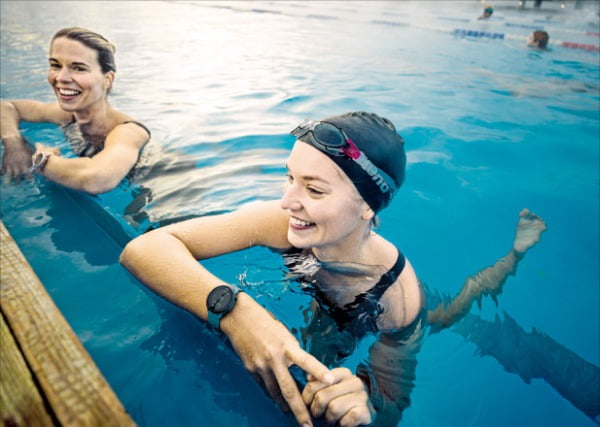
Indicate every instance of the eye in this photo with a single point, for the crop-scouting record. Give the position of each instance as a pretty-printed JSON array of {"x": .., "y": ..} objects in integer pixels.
[
  {"x": 54, "y": 65},
  {"x": 314, "y": 191},
  {"x": 79, "y": 68}
]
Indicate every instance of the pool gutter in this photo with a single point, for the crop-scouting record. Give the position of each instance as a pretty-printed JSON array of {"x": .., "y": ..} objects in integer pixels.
[{"x": 47, "y": 377}]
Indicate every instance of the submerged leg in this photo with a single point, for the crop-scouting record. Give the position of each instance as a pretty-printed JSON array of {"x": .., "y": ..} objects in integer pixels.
[{"x": 490, "y": 280}]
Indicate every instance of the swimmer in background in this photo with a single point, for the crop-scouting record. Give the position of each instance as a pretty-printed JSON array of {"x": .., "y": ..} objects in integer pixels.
[
  {"x": 488, "y": 10},
  {"x": 108, "y": 142},
  {"x": 538, "y": 39},
  {"x": 342, "y": 171}
]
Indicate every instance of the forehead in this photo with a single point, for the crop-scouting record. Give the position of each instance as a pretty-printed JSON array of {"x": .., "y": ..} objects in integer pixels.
[
  {"x": 65, "y": 49},
  {"x": 307, "y": 161}
]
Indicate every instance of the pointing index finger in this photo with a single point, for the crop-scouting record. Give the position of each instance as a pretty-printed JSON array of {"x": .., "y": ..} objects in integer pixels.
[
  {"x": 309, "y": 364},
  {"x": 291, "y": 394}
]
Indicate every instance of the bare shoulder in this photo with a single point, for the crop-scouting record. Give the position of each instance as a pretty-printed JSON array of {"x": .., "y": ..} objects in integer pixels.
[
  {"x": 127, "y": 130},
  {"x": 268, "y": 222},
  {"x": 402, "y": 301}
]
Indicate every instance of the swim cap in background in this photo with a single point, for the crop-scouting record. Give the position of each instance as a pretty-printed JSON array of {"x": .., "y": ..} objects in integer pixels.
[{"x": 377, "y": 138}]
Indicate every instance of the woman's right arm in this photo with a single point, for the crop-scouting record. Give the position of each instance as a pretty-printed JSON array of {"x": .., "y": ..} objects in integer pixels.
[
  {"x": 17, "y": 153},
  {"x": 165, "y": 260}
]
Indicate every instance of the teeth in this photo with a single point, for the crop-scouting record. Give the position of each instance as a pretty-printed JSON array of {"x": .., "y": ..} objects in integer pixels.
[
  {"x": 68, "y": 92},
  {"x": 300, "y": 223}
]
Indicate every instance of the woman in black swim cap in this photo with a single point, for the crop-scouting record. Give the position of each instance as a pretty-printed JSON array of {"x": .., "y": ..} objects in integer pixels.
[{"x": 341, "y": 171}]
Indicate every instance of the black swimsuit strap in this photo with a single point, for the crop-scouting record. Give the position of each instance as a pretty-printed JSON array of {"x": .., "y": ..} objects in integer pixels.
[
  {"x": 386, "y": 280},
  {"x": 139, "y": 124}
]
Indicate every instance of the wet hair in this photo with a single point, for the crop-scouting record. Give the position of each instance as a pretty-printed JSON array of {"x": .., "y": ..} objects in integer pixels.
[
  {"x": 104, "y": 48},
  {"x": 541, "y": 37},
  {"x": 378, "y": 139}
]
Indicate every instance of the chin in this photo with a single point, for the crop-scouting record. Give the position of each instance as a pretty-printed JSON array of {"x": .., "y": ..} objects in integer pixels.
[
  {"x": 298, "y": 242},
  {"x": 69, "y": 108}
]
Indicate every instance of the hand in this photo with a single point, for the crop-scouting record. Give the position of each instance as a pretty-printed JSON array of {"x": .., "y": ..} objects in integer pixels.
[
  {"x": 16, "y": 160},
  {"x": 268, "y": 349},
  {"x": 529, "y": 230},
  {"x": 345, "y": 403}
]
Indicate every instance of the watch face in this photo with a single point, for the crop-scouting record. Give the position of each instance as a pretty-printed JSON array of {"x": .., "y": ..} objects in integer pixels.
[{"x": 219, "y": 299}]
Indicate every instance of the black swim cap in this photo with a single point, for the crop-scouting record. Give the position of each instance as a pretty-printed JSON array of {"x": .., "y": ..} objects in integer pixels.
[{"x": 377, "y": 138}]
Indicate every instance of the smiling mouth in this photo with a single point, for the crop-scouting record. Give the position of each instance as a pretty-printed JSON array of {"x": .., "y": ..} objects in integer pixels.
[
  {"x": 68, "y": 93},
  {"x": 298, "y": 223}
]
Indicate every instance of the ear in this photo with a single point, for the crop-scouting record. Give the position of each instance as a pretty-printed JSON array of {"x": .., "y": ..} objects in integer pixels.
[
  {"x": 108, "y": 80},
  {"x": 368, "y": 213}
]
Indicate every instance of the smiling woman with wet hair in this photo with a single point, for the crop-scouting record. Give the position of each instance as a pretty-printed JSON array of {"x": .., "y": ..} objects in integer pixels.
[{"x": 108, "y": 142}]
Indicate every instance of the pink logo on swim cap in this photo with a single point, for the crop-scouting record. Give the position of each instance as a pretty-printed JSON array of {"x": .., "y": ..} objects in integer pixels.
[{"x": 351, "y": 150}]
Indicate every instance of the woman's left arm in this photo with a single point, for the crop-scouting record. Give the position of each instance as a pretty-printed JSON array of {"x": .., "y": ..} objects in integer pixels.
[
  {"x": 100, "y": 173},
  {"x": 489, "y": 281},
  {"x": 379, "y": 390}
]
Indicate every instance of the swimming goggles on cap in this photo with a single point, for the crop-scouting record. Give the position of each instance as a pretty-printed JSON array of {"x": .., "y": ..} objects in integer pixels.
[{"x": 332, "y": 140}]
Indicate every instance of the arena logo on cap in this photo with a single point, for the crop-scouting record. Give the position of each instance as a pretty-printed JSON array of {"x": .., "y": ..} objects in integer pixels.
[{"x": 373, "y": 172}]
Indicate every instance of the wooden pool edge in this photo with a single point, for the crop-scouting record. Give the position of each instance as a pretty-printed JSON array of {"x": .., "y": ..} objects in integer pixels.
[{"x": 46, "y": 375}]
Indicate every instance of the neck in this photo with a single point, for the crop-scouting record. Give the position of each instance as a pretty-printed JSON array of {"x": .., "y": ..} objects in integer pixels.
[
  {"x": 93, "y": 117},
  {"x": 353, "y": 249}
]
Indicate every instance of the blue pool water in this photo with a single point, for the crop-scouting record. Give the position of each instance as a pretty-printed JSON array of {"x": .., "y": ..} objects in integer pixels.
[{"x": 491, "y": 127}]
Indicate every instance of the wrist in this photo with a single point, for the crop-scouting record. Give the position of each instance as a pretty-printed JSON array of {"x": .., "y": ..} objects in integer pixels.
[
  {"x": 220, "y": 301},
  {"x": 238, "y": 314},
  {"x": 516, "y": 254},
  {"x": 13, "y": 140},
  {"x": 367, "y": 376}
]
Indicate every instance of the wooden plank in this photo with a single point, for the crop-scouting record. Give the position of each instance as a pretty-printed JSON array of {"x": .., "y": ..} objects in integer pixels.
[
  {"x": 20, "y": 401},
  {"x": 73, "y": 386}
]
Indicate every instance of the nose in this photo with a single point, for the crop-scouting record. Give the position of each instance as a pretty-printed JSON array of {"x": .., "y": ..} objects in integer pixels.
[
  {"x": 63, "y": 75},
  {"x": 290, "y": 200}
]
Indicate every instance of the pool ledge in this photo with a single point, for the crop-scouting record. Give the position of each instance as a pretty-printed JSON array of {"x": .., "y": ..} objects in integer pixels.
[{"x": 47, "y": 377}]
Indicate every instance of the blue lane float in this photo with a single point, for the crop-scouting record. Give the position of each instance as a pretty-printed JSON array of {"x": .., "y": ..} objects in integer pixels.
[{"x": 474, "y": 33}]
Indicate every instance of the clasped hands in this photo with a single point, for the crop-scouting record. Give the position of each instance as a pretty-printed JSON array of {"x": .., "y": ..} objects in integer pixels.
[
  {"x": 268, "y": 350},
  {"x": 345, "y": 402}
]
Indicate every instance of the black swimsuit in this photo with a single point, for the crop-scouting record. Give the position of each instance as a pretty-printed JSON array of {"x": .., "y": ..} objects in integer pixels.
[
  {"x": 84, "y": 147},
  {"x": 360, "y": 315}
]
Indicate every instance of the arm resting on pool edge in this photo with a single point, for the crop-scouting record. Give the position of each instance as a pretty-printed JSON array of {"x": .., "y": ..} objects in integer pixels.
[
  {"x": 166, "y": 260},
  {"x": 17, "y": 153},
  {"x": 489, "y": 281},
  {"x": 102, "y": 172}
]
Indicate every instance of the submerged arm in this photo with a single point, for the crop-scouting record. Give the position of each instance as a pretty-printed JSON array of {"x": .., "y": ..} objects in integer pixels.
[
  {"x": 490, "y": 280},
  {"x": 379, "y": 391}
]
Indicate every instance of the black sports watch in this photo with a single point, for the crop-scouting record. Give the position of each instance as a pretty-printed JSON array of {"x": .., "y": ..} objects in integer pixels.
[{"x": 220, "y": 301}]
